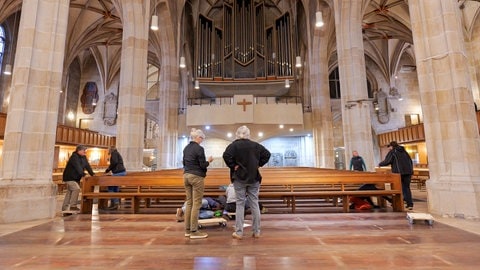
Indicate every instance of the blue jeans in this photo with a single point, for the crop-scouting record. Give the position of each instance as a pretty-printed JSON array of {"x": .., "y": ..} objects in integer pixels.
[
  {"x": 247, "y": 193},
  {"x": 115, "y": 201},
  {"x": 203, "y": 212},
  {"x": 194, "y": 186}
]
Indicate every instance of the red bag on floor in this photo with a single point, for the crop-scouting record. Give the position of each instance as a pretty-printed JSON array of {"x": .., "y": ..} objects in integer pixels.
[{"x": 360, "y": 204}]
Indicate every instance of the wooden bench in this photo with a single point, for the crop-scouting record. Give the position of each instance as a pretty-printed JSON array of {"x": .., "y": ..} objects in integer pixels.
[
  {"x": 420, "y": 177},
  {"x": 286, "y": 184}
]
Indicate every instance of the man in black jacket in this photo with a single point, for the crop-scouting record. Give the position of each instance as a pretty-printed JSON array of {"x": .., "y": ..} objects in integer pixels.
[
  {"x": 244, "y": 157},
  {"x": 401, "y": 163},
  {"x": 118, "y": 169},
  {"x": 194, "y": 172},
  {"x": 73, "y": 173}
]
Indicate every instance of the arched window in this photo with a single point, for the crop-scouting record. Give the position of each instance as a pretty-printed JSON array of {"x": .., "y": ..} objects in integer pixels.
[
  {"x": 2, "y": 47},
  {"x": 334, "y": 82}
]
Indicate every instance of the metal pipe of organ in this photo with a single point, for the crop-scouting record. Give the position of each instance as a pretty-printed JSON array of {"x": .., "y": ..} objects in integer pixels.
[{"x": 243, "y": 40}]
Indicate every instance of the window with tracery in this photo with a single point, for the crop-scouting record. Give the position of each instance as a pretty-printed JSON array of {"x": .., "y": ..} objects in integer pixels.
[
  {"x": 334, "y": 84},
  {"x": 2, "y": 47}
]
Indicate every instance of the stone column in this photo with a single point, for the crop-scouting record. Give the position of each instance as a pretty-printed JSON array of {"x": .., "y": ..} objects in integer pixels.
[
  {"x": 322, "y": 121},
  {"x": 133, "y": 82},
  {"x": 26, "y": 188},
  {"x": 356, "y": 120},
  {"x": 168, "y": 91},
  {"x": 451, "y": 130}
]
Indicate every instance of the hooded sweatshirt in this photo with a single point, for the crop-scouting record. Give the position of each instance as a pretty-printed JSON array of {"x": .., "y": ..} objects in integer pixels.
[{"x": 400, "y": 161}]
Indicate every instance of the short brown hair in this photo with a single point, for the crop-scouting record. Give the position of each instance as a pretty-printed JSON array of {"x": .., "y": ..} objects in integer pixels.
[{"x": 392, "y": 144}]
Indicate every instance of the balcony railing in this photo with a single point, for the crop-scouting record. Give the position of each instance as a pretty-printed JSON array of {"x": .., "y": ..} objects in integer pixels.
[{"x": 71, "y": 136}]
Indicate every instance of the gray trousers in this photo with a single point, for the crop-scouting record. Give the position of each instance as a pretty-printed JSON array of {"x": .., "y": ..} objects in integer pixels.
[{"x": 71, "y": 197}]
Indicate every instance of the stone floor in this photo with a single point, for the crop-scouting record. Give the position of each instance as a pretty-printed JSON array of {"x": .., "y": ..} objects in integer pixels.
[{"x": 361, "y": 240}]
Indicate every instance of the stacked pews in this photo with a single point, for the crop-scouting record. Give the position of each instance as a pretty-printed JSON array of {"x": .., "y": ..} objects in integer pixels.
[{"x": 287, "y": 184}]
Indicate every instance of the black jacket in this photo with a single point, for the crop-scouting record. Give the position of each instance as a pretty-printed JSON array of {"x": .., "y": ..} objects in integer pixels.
[
  {"x": 74, "y": 171},
  {"x": 116, "y": 163},
  {"x": 249, "y": 156},
  {"x": 400, "y": 161},
  {"x": 194, "y": 160},
  {"x": 357, "y": 164}
]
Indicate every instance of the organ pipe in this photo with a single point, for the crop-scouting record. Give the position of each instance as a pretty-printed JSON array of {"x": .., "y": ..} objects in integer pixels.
[{"x": 246, "y": 41}]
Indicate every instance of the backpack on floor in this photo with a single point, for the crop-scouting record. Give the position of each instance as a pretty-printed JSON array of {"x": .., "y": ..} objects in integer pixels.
[{"x": 360, "y": 204}]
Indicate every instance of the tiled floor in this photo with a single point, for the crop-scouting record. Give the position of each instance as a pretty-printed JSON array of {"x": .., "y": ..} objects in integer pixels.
[{"x": 367, "y": 240}]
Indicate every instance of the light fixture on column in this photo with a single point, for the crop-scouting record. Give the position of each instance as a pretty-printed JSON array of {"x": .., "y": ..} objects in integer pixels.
[
  {"x": 154, "y": 23},
  {"x": 182, "y": 37},
  {"x": 182, "y": 62},
  {"x": 8, "y": 69},
  {"x": 318, "y": 19},
  {"x": 298, "y": 61},
  {"x": 197, "y": 85},
  {"x": 70, "y": 115},
  {"x": 287, "y": 83}
]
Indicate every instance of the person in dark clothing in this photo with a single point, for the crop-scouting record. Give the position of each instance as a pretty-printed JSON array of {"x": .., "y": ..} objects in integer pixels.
[
  {"x": 118, "y": 169},
  {"x": 359, "y": 205},
  {"x": 244, "y": 157},
  {"x": 73, "y": 173},
  {"x": 401, "y": 163},
  {"x": 194, "y": 171},
  {"x": 357, "y": 163}
]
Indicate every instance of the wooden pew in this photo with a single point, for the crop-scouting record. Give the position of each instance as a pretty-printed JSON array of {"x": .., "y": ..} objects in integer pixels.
[
  {"x": 420, "y": 177},
  {"x": 287, "y": 184}
]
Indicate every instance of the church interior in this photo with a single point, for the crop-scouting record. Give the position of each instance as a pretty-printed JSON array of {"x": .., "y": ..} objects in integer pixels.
[{"x": 314, "y": 80}]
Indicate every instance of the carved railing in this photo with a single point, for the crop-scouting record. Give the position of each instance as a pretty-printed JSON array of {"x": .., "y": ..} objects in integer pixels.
[
  {"x": 408, "y": 134},
  {"x": 72, "y": 136}
]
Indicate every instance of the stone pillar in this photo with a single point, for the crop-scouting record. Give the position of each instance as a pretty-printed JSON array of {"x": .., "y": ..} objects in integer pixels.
[
  {"x": 472, "y": 48},
  {"x": 451, "y": 130},
  {"x": 26, "y": 188},
  {"x": 133, "y": 82},
  {"x": 322, "y": 121},
  {"x": 168, "y": 91},
  {"x": 356, "y": 120}
]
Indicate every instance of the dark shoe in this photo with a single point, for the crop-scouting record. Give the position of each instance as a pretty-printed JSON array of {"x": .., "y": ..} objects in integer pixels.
[
  {"x": 113, "y": 207},
  {"x": 74, "y": 208}
]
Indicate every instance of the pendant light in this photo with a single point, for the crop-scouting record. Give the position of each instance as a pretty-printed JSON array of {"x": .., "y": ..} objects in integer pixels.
[
  {"x": 154, "y": 23},
  {"x": 182, "y": 62},
  {"x": 318, "y": 19}
]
